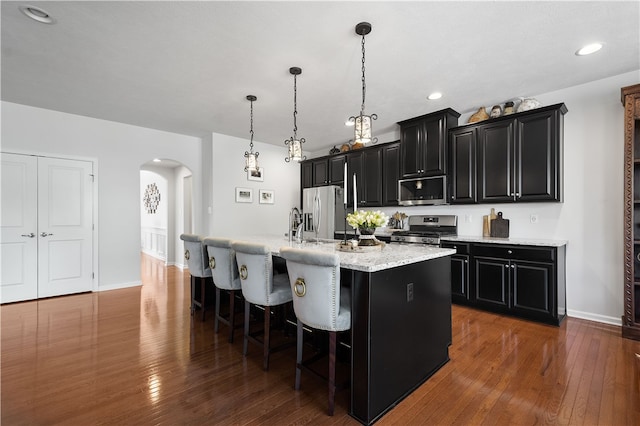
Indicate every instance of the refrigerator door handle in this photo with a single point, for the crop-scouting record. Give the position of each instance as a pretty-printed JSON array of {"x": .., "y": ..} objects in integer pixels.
[{"x": 317, "y": 209}]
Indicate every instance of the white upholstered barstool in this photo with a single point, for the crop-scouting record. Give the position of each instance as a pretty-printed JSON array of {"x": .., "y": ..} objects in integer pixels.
[
  {"x": 260, "y": 287},
  {"x": 318, "y": 302},
  {"x": 196, "y": 256},
  {"x": 222, "y": 262}
]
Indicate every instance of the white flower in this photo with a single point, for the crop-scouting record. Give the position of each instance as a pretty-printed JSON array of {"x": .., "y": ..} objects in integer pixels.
[{"x": 364, "y": 219}]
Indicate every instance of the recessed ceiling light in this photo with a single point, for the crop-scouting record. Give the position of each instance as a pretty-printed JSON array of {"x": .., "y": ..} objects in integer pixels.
[
  {"x": 37, "y": 14},
  {"x": 156, "y": 160},
  {"x": 434, "y": 96},
  {"x": 589, "y": 49}
]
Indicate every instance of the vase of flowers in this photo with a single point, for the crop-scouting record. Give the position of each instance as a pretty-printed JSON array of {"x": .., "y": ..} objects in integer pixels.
[{"x": 366, "y": 222}]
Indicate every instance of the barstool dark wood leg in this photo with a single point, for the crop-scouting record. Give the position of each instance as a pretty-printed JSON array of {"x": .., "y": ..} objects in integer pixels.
[
  {"x": 332, "y": 371},
  {"x": 193, "y": 294},
  {"x": 202, "y": 295},
  {"x": 216, "y": 322},
  {"x": 232, "y": 314},
  {"x": 267, "y": 337},
  {"x": 299, "y": 337},
  {"x": 247, "y": 311}
]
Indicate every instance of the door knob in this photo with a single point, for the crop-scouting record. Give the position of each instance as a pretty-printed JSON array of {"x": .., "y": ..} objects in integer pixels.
[
  {"x": 44, "y": 234},
  {"x": 29, "y": 235}
]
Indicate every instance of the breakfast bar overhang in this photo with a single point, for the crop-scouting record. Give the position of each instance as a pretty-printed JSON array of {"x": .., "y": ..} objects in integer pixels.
[{"x": 400, "y": 319}]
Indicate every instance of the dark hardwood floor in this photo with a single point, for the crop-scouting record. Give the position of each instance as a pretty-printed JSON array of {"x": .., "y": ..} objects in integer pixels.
[{"x": 136, "y": 356}]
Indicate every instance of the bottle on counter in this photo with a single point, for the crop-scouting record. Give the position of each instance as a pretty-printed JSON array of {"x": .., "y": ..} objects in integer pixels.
[{"x": 486, "y": 231}]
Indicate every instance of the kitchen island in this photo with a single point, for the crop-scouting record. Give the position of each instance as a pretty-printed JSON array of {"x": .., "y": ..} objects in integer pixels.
[{"x": 400, "y": 318}]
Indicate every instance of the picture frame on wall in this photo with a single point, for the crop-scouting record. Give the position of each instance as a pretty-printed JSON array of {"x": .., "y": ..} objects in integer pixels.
[
  {"x": 244, "y": 195},
  {"x": 266, "y": 196},
  {"x": 257, "y": 174}
]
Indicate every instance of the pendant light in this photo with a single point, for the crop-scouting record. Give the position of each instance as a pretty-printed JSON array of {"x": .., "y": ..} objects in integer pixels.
[
  {"x": 250, "y": 157},
  {"x": 362, "y": 122},
  {"x": 295, "y": 144}
]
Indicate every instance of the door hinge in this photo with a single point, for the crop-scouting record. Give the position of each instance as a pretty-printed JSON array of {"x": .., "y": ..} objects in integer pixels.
[
  {"x": 93, "y": 275},
  {"x": 93, "y": 178}
]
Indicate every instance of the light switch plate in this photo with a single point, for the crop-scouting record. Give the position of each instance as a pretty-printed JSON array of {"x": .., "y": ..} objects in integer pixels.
[{"x": 534, "y": 218}]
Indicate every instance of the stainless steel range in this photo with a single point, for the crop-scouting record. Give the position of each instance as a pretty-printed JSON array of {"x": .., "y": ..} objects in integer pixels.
[{"x": 427, "y": 229}]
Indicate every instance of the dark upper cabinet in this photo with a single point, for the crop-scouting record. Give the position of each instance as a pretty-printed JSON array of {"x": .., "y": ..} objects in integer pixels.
[
  {"x": 390, "y": 174},
  {"x": 336, "y": 170},
  {"x": 372, "y": 178},
  {"x": 423, "y": 143},
  {"x": 538, "y": 172},
  {"x": 496, "y": 162},
  {"x": 513, "y": 158},
  {"x": 323, "y": 171},
  {"x": 320, "y": 172},
  {"x": 462, "y": 166},
  {"x": 306, "y": 174},
  {"x": 520, "y": 157},
  {"x": 354, "y": 166}
]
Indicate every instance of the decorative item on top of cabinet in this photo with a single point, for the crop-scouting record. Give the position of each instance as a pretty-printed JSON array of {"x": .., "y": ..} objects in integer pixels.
[
  {"x": 496, "y": 111},
  {"x": 334, "y": 150},
  {"x": 508, "y": 108},
  {"x": 527, "y": 104},
  {"x": 345, "y": 147},
  {"x": 630, "y": 97},
  {"x": 479, "y": 115}
]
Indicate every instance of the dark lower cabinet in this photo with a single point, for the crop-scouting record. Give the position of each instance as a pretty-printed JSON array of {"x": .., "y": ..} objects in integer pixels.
[
  {"x": 459, "y": 272},
  {"x": 519, "y": 280}
]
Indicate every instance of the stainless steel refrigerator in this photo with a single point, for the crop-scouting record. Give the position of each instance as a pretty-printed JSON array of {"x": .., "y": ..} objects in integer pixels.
[{"x": 323, "y": 210}]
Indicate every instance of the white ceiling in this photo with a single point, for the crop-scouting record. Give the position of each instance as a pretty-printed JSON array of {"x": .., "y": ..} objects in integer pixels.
[{"x": 186, "y": 67}]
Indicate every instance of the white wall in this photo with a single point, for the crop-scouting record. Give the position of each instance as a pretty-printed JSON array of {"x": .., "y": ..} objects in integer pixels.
[
  {"x": 120, "y": 150},
  {"x": 180, "y": 175},
  {"x": 591, "y": 216},
  {"x": 231, "y": 219}
]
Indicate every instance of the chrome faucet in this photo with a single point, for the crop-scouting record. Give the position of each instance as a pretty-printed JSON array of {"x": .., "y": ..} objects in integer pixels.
[
  {"x": 295, "y": 220},
  {"x": 299, "y": 233}
]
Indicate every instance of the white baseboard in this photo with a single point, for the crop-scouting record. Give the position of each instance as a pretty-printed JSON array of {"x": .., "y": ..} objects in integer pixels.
[
  {"x": 595, "y": 317},
  {"x": 118, "y": 286}
]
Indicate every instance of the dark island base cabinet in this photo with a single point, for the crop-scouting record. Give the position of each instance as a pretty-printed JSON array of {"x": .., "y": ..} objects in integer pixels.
[
  {"x": 389, "y": 360},
  {"x": 523, "y": 281}
]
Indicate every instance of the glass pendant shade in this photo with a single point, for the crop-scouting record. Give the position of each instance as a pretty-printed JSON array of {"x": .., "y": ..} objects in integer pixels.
[
  {"x": 250, "y": 161},
  {"x": 295, "y": 150},
  {"x": 362, "y": 129}
]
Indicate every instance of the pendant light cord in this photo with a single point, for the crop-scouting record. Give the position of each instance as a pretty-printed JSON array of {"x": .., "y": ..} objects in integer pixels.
[
  {"x": 364, "y": 86},
  {"x": 251, "y": 131},
  {"x": 295, "y": 107}
]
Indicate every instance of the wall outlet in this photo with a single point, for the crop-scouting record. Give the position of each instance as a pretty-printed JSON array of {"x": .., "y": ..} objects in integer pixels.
[
  {"x": 467, "y": 218},
  {"x": 410, "y": 292},
  {"x": 533, "y": 218}
]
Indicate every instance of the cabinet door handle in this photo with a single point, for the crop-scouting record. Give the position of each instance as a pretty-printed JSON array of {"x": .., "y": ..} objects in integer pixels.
[
  {"x": 506, "y": 266},
  {"x": 513, "y": 266},
  {"x": 44, "y": 234},
  {"x": 31, "y": 235},
  {"x": 509, "y": 251}
]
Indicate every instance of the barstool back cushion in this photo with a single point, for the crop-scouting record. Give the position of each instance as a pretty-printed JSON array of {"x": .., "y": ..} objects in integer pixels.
[
  {"x": 315, "y": 282},
  {"x": 222, "y": 262},
  {"x": 196, "y": 255},
  {"x": 255, "y": 268}
]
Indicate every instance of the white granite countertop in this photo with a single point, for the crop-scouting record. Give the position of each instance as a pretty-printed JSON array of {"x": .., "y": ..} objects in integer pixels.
[
  {"x": 513, "y": 241},
  {"x": 381, "y": 232},
  {"x": 391, "y": 255}
]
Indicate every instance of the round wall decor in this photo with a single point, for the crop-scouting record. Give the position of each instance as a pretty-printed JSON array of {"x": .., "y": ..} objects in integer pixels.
[{"x": 151, "y": 198}]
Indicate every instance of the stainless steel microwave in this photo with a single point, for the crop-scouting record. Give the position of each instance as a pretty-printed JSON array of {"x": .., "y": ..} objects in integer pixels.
[{"x": 422, "y": 191}]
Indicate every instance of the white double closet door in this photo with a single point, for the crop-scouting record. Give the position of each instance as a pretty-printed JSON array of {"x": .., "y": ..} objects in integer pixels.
[{"x": 46, "y": 245}]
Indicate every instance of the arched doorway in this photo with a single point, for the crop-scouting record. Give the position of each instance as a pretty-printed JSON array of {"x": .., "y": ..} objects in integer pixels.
[{"x": 166, "y": 209}]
